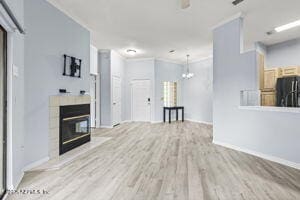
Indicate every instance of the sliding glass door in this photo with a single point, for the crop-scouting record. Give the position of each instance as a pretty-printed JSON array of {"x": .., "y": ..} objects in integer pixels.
[{"x": 2, "y": 111}]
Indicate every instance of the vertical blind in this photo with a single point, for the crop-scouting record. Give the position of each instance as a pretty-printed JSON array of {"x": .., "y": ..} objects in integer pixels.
[{"x": 170, "y": 94}]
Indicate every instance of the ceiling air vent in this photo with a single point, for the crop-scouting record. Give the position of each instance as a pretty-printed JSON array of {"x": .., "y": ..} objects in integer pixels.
[{"x": 236, "y": 2}]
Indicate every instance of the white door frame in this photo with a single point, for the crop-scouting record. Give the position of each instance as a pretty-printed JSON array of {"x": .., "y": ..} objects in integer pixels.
[
  {"x": 97, "y": 108},
  {"x": 93, "y": 95},
  {"x": 98, "y": 101},
  {"x": 131, "y": 98},
  {"x": 112, "y": 106},
  {"x": 9, "y": 157}
]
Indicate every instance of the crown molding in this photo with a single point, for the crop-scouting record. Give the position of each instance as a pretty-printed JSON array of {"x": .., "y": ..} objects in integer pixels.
[
  {"x": 169, "y": 61},
  {"x": 139, "y": 59},
  {"x": 201, "y": 59}
]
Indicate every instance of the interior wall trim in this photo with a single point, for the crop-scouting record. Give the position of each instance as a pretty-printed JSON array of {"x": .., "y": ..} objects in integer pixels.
[
  {"x": 200, "y": 122},
  {"x": 35, "y": 164},
  {"x": 12, "y": 16},
  {"x": 170, "y": 61},
  {"x": 10, "y": 172},
  {"x": 210, "y": 57},
  {"x": 156, "y": 122},
  {"x": 16, "y": 185},
  {"x": 106, "y": 126},
  {"x": 258, "y": 154},
  {"x": 139, "y": 59},
  {"x": 126, "y": 121}
]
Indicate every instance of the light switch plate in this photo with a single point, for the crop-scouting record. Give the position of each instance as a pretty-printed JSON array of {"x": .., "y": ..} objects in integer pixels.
[{"x": 15, "y": 71}]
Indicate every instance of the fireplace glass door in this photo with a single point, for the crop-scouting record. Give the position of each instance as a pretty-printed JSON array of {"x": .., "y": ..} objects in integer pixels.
[{"x": 75, "y": 128}]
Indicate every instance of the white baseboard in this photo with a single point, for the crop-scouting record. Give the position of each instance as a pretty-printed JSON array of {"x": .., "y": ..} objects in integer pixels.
[
  {"x": 201, "y": 122},
  {"x": 258, "y": 154},
  {"x": 15, "y": 185},
  {"x": 156, "y": 122},
  {"x": 167, "y": 121},
  {"x": 35, "y": 164},
  {"x": 126, "y": 121},
  {"x": 106, "y": 126},
  {"x": 191, "y": 120}
]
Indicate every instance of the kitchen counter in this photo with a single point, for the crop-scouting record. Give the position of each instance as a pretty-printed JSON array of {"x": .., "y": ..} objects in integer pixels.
[{"x": 271, "y": 109}]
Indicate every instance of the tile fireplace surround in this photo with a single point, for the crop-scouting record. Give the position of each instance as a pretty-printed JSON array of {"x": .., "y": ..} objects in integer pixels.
[{"x": 54, "y": 103}]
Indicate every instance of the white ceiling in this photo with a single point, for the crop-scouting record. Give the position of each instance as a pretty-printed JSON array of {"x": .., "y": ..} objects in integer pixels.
[{"x": 154, "y": 27}]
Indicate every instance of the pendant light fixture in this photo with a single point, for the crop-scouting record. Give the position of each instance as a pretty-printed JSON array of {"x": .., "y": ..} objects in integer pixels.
[{"x": 187, "y": 75}]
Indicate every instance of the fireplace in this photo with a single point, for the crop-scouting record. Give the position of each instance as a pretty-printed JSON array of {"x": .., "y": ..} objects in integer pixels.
[{"x": 74, "y": 126}]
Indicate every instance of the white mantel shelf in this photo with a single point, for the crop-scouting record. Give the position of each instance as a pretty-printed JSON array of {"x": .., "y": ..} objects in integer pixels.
[{"x": 271, "y": 109}]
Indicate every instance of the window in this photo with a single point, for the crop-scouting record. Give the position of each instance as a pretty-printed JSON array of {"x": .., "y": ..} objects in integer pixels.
[{"x": 170, "y": 94}]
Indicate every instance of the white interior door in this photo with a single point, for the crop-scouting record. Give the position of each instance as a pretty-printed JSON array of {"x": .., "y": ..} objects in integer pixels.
[
  {"x": 141, "y": 101},
  {"x": 116, "y": 100}
]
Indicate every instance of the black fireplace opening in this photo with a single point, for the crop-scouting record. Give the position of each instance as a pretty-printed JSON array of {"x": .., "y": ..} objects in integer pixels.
[{"x": 74, "y": 127}]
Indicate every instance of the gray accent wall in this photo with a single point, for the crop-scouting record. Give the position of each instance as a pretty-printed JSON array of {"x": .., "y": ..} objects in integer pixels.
[
  {"x": 104, "y": 63},
  {"x": 269, "y": 134},
  {"x": 284, "y": 54},
  {"x": 166, "y": 71},
  {"x": 111, "y": 64},
  {"x": 197, "y": 93},
  {"x": 49, "y": 35}
]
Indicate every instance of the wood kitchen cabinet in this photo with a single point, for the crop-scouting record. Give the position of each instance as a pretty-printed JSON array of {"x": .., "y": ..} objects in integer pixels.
[
  {"x": 268, "y": 91},
  {"x": 268, "y": 98},
  {"x": 270, "y": 78},
  {"x": 291, "y": 71}
]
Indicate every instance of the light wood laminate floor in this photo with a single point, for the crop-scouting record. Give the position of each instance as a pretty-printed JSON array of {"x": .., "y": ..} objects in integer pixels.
[{"x": 164, "y": 162}]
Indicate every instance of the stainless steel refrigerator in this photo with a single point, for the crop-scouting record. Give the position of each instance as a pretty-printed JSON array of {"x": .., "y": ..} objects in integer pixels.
[{"x": 287, "y": 91}]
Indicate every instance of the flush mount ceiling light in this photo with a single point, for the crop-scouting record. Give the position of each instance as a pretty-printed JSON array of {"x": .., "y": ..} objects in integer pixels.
[
  {"x": 187, "y": 75},
  {"x": 185, "y": 4},
  {"x": 288, "y": 26},
  {"x": 131, "y": 52},
  {"x": 236, "y": 2}
]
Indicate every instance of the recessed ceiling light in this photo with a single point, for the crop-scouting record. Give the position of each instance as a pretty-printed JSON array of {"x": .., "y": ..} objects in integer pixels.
[
  {"x": 288, "y": 26},
  {"x": 131, "y": 51}
]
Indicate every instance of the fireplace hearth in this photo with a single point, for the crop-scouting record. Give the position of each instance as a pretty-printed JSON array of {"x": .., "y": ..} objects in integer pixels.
[{"x": 74, "y": 126}]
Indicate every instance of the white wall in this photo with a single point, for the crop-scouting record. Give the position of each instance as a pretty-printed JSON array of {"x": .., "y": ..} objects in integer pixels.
[
  {"x": 197, "y": 92},
  {"x": 273, "y": 135},
  {"x": 139, "y": 70},
  {"x": 284, "y": 54}
]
